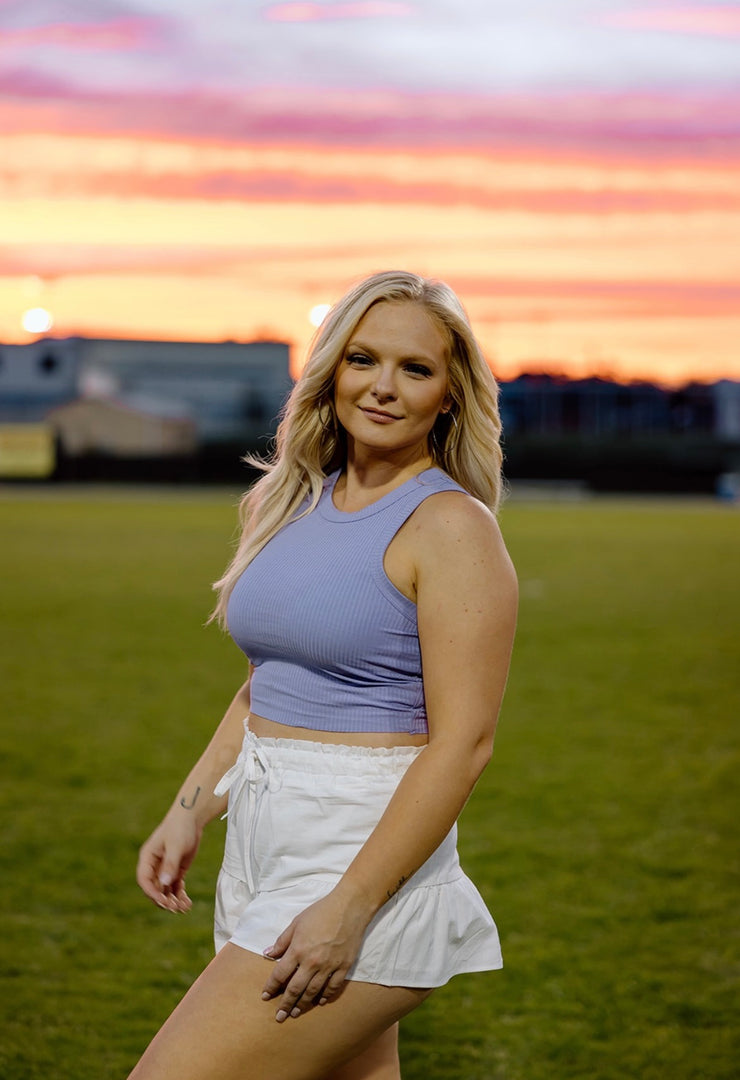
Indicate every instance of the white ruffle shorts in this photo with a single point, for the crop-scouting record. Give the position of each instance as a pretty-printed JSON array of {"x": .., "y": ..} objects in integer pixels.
[{"x": 299, "y": 811}]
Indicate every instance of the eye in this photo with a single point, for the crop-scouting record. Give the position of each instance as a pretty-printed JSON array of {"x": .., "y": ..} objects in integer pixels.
[
  {"x": 419, "y": 369},
  {"x": 358, "y": 358}
]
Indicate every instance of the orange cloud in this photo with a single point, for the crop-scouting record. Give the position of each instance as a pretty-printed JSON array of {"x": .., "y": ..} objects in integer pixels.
[
  {"x": 127, "y": 167},
  {"x": 565, "y": 258}
]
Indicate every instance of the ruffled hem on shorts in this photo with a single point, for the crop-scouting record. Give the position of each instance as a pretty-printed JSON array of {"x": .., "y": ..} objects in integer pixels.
[{"x": 421, "y": 937}]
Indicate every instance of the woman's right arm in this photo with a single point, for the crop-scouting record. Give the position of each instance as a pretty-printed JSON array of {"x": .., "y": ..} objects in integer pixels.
[{"x": 165, "y": 857}]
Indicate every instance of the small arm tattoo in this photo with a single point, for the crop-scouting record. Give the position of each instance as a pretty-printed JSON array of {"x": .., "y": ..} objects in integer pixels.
[
  {"x": 189, "y": 805},
  {"x": 392, "y": 892}
]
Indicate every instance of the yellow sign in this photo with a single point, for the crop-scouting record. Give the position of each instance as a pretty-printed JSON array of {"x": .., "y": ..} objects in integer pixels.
[{"x": 26, "y": 450}]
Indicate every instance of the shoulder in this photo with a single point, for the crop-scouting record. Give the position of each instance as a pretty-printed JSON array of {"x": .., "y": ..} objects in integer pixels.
[
  {"x": 455, "y": 516},
  {"x": 455, "y": 533}
]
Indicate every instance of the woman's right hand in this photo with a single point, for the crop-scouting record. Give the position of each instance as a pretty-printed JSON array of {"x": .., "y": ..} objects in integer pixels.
[
  {"x": 166, "y": 856},
  {"x": 164, "y": 859}
]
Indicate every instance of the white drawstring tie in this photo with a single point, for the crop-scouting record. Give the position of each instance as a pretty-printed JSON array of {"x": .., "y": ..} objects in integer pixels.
[{"x": 250, "y": 774}]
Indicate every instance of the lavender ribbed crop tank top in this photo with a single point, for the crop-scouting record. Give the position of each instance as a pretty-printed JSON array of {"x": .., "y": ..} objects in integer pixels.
[{"x": 334, "y": 646}]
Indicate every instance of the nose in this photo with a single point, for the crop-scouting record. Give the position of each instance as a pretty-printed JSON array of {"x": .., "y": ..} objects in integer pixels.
[{"x": 384, "y": 387}]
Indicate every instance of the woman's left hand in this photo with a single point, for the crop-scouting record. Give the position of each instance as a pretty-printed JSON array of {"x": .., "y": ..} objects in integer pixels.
[{"x": 314, "y": 954}]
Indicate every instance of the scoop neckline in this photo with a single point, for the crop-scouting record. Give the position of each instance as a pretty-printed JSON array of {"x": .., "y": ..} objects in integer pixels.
[{"x": 329, "y": 510}]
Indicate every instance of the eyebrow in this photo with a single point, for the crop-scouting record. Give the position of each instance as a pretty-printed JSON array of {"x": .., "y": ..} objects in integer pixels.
[{"x": 410, "y": 359}]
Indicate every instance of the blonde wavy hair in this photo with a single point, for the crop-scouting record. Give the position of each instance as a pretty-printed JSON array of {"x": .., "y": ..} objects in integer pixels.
[{"x": 310, "y": 443}]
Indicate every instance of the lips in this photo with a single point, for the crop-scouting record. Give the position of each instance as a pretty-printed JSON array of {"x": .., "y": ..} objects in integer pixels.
[{"x": 379, "y": 414}]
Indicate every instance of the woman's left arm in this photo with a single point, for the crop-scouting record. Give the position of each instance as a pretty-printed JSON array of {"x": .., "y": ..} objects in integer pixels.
[{"x": 466, "y": 607}]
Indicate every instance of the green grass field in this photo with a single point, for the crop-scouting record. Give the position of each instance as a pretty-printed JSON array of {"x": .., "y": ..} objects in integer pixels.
[{"x": 602, "y": 835}]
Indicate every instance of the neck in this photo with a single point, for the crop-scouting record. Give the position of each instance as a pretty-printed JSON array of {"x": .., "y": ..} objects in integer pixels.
[
  {"x": 366, "y": 479},
  {"x": 377, "y": 470}
]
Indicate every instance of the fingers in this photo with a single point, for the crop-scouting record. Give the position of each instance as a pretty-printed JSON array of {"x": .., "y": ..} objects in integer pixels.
[
  {"x": 333, "y": 988},
  {"x": 302, "y": 989},
  {"x": 296, "y": 1001},
  {"x": 147, "y": 874},
  {"x": 162, "y": 881},
  {"x": 312, "y": 957},
  {"x": 282, "y": 943},
  {"x": 300, "y": 996},
  {"x": 283, "y": 969},
  {"x": 173, "y": 894}
]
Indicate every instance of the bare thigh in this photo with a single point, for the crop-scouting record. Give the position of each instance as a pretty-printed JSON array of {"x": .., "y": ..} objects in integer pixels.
[
  {"x": 222, "y": 1030},
  {"x": 378, "y": 1062}
]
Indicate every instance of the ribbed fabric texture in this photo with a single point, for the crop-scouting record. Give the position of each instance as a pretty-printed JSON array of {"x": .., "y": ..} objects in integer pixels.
[{"x": 333, "y": 644}]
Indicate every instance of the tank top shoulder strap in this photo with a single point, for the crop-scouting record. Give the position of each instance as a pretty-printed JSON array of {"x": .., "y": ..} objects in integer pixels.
[
  {"x": 415, "y": 491},
  {"x": 369, "y": 531},
  {"x": 392, "y": 508}
]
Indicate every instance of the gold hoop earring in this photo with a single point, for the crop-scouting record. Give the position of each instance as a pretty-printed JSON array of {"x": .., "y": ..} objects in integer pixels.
[
  {"x": 449, "y": 444},
  {"x": 328, "y": 423},
  {"x": 456, "y": 434}
]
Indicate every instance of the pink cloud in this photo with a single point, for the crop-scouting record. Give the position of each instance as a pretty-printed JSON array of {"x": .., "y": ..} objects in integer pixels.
[
  {"x": 653, "y": 126},
  {"x": 116, "y": 34},
  {"x": 292, "y": 186},
  {"x": 361, "y": 9},
  {"x": 711, "y": 19}
]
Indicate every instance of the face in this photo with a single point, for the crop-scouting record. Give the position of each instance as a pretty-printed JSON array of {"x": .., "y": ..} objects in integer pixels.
[{"x": 391, "y": 383}]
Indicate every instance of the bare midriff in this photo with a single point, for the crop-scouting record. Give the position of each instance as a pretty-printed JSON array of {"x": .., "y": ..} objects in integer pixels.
[{"x": 270, "y": 729}]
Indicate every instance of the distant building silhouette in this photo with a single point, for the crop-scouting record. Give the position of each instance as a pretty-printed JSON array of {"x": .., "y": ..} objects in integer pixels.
[
  {"x": 113, "y": 408},
  {"x": 622, "y": 437},
  {"x": 553, "y": 405},
  {"x": 36, "y": 377},
  {"x": 232, "y": 390},
  {"x": 120, "y": 398}
]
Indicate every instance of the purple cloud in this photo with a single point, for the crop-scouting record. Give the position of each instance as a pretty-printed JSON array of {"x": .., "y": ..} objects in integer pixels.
[
  {"x": 486, "y": 47},
  {"x": 653, "y": 126}
]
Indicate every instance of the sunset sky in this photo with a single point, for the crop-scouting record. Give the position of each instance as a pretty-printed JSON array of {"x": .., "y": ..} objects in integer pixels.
[{"x": 208, "y": 169}]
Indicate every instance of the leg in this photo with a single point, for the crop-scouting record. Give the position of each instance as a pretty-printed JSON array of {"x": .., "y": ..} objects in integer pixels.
[
  {"x": 222, "y": 1030},
  {"x": 378, "y": 1062}
]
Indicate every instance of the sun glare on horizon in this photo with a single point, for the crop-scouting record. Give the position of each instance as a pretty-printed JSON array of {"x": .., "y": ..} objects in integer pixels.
[
  {"x": 318, "y": 313},
  {"x": 37, "y": 320}
]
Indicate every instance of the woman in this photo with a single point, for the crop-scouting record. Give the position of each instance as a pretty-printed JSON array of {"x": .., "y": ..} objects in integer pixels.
[{"x": 369, "y": 553}]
